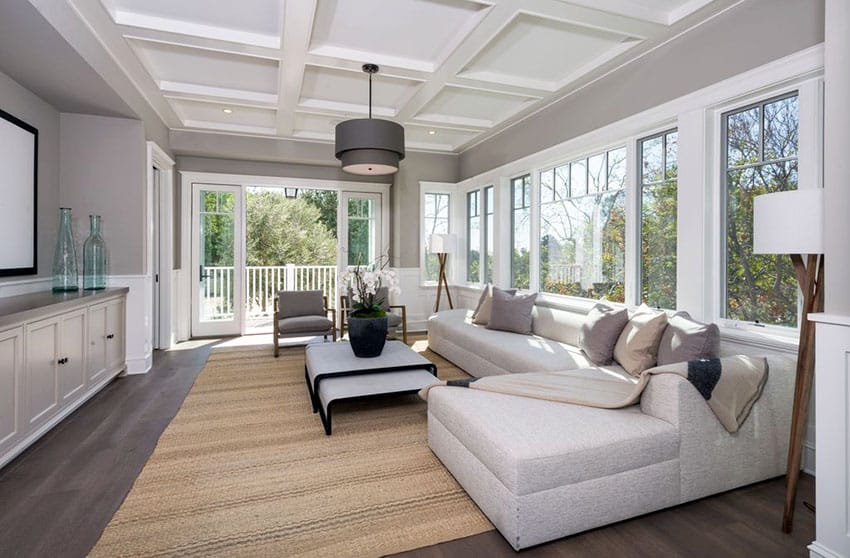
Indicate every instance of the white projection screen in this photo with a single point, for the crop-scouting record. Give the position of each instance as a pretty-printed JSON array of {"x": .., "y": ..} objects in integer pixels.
[{"x": 18, "y": 191}]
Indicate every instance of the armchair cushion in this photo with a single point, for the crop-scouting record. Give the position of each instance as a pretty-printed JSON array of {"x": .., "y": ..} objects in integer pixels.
[
  {"x": 304, "y": 324},
  {"x": 393, "y": 320},
  {"x": 301, "y": 303}
]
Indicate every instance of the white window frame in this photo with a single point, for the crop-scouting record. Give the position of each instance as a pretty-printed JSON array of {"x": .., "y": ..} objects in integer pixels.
[
  {"x": 809, "y": 175},
  {"x": 456, "y": 260}
]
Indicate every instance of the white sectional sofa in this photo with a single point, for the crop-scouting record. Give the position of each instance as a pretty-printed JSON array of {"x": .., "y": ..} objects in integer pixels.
[{"x": 542, "y": 470}]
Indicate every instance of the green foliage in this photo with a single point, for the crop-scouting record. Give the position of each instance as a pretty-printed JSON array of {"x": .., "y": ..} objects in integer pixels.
[
  {"x": 286, "y": 231},
  {"x": 658, "y": 245},
  {"x": 326, "y": 202},
  {"x": 519, "y": 269}
]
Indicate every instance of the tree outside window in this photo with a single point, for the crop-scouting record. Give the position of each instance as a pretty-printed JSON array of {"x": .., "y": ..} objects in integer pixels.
[
  {"x": 658, "y": 156},
  {"x": 436, "y": 222},
  {"x": 583, "y": 226},
  {"x": 760, "y": 157}
]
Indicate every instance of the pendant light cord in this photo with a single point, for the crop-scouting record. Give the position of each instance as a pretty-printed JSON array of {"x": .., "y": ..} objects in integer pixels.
[{"x": 370, "y": 96}]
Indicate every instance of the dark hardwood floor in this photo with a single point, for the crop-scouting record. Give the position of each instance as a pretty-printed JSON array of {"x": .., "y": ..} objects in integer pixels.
[{"x": 57, "y": 497}]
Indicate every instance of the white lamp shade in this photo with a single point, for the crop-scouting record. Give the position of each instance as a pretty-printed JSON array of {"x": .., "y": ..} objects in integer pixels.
[
  {"x": 788, "y": 222},
  {"x": 442, "y": 243}
]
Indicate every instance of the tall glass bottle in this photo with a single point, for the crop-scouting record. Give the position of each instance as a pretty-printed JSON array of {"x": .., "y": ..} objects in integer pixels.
[
  {"x": 94, "y": 257},
  {"x": 65, "y": 277}
]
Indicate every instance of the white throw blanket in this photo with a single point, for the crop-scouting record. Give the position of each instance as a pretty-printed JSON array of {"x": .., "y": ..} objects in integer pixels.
[{"x": 729, "y": 385}]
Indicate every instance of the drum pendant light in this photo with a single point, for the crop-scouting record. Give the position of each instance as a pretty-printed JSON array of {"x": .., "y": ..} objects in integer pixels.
[{"x": 369, "y": 145}]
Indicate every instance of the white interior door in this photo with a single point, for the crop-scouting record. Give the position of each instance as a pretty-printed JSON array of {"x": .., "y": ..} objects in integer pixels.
[
  {"x": 362, "y": 238},
  {"x": 218, "y": 261}
]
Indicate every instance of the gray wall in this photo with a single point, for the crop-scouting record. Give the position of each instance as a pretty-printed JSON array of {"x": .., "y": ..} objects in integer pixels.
[
  {"x": 747, "y": 36},
  {"x": 103, "y": 173},
  {"x": 23, "y": 104}
]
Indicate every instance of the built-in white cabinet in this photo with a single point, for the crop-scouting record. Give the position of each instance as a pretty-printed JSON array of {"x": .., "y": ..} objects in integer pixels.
[
  {"x": 56, "y": 351},
  {"x": 106, "y": 338},
  {"x": 11, "y": 372}
]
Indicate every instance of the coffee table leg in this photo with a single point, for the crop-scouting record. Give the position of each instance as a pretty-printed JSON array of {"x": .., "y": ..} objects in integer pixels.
[{"x": 326, "y": 418}]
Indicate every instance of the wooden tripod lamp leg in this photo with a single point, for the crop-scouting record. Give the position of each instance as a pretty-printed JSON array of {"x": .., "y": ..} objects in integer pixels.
[
  {"x": 443, "y": 282},
  {"x": 810, "y": 277}
]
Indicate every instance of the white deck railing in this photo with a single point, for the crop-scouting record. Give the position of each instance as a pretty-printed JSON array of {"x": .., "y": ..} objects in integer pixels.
[{"x": 261, "y": 285}]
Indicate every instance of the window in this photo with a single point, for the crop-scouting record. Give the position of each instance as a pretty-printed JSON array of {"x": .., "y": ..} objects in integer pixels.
[
  {"x": 488, "y": 234},
  {"x": 473, "y": 236},
  {"x": 583, "y": 227},
  {"x": 436, "y": 222},
  {"x": 760, "y": 157},
  {"x": 658, "y": 210},
  {"x": 520, "y": 230}
]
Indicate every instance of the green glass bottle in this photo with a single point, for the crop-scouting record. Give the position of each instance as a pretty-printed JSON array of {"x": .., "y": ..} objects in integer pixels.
[{"x": 94, "y": 257}]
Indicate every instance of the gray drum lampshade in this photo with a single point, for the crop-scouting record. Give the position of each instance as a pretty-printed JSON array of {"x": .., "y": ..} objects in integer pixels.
[{"x": 369, "y": 145}]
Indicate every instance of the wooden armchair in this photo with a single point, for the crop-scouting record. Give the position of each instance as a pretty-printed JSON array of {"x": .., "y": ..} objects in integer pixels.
[
  {"x": 302, "y": 314},
  {"x": 394, "y": 319}
]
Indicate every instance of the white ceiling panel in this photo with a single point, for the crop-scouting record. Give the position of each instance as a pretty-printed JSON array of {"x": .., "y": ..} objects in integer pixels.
[
  {"x": 414, "y": 34},
  {"x": 258, "y": 22},
  {"x": 207, "y": 68},
  {"x": 543, "y": 53},
  {"x": 462, "y": 69},
  {"x": 327, "y": 88},
  {"x": 472, "y": 107},
  {"x": 215, "y": 112}
]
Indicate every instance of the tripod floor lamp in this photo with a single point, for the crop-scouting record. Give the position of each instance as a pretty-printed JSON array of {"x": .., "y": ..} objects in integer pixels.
[
  {"x": 442, "y": 245},
  {"x": 792, "y": 223}
]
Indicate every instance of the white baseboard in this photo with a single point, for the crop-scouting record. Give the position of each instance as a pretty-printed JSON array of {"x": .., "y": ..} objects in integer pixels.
[
  {"x": 817, "y": 550},
  {"x": 140, "y": 365}
]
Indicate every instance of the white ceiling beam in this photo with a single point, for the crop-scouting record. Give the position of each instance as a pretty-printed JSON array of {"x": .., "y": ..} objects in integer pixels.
[
  {"x": 169, "y": 38},
  {"x": 180, "y": 27},
  {"x": 297, "y": 27}
]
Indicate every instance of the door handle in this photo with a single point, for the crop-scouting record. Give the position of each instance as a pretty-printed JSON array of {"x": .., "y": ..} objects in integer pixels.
[
  {"x": 202, "y": 275},
  {"x": 110, "y": 336}
]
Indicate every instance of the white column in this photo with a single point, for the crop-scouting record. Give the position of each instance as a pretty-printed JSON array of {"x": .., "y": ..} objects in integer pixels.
[
  {"x": 832, "y": 367},
  {"x": 836, "y": 159}
]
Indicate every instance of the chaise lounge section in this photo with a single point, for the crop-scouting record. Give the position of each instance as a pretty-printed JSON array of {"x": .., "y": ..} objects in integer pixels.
[{"x": 542, "y": 470}]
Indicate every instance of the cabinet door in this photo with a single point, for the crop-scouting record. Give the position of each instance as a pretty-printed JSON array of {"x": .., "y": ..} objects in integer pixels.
[
  {"x": 72, "y": 349},
  {"x": 41, "y": 370},
  {"x": 11, "y": 390},
  {"x": 115, "y": 356},
  {"x": 97, "y": 343}
]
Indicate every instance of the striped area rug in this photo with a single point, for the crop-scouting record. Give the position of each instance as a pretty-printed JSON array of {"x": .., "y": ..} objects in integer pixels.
[{"x": 245, "y": 469}]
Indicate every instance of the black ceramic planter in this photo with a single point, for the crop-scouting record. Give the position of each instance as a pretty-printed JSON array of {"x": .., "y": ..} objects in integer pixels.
[{"x": 367, "y": 336}]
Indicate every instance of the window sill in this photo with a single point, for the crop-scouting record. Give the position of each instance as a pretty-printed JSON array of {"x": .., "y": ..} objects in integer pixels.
[{"x": 772, "y": 340}]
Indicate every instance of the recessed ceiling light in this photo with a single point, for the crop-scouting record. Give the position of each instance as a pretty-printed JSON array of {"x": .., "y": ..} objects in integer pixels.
[
  {"x": 432, "y": 132},
  {"x": 227, "y": 111}
]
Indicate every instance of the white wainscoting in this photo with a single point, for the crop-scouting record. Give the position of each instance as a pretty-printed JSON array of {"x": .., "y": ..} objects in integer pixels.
[
  {"x": 139, "y": 311},
  {"x": 25, "y": 286},
  {"x": 419, "y": 299}
]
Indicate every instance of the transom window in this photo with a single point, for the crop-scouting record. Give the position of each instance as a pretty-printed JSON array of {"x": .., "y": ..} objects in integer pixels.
[
  {"x": 658, "y": 156},
  {"x": 583, "y": 227},
  {"x": 759, "y": 157}
]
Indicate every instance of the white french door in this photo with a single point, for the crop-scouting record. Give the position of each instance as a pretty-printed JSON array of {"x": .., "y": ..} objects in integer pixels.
[
  {"x": 361, "y": 233},
  {"x": 218, "y": 261}
]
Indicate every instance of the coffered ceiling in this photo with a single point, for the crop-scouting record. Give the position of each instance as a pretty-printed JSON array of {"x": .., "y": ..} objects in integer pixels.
[{"x": 453, "y": 72}]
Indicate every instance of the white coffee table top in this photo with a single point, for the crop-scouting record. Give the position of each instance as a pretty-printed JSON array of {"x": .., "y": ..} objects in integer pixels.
[{"x": 327, "y": 359}]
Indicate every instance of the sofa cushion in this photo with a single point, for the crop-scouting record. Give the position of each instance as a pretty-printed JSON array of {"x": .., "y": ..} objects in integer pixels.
[
  {"x": 686, "y": 339},
  {"x": 481, "y": 315},
  {"x": 514, "y": 353},
  {"x": 600, "y": 331},
  {"x": 637, "y": 347},
  {"x": 557, "y": 323},
  {"x": 532, "y": 445},
  {"x": 511, "y": 312},
  {"x": 304, "y": 324}
]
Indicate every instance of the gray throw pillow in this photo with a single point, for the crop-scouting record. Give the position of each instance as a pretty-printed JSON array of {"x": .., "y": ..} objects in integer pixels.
[
  {"x": 600, "y": 331},
  {"x": 481, "y": 316},
  {"x": 686, "y": 339},
  {"x": 511, "y": 312}
]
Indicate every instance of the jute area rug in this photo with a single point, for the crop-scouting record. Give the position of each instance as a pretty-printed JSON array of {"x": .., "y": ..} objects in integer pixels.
[{"x": 245, "y": 469}]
